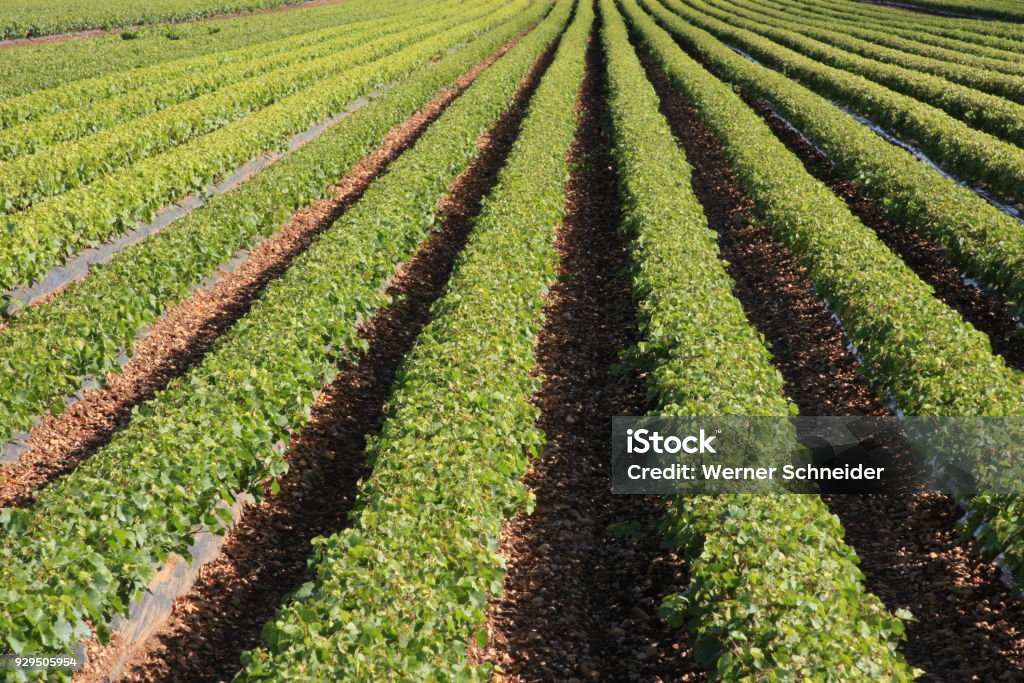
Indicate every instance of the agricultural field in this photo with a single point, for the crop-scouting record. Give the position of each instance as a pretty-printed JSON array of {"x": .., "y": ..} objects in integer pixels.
[{"x": 316, "y": 317}]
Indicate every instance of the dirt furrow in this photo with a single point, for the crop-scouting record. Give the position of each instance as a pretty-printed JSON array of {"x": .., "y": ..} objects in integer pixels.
[
  {"x": 264, "y": 558},
  {"x": 180, "y": 339},
  {"x": 968, "y": 624},
  {"x": 586, "y": 572},
  {"x": 983, "y": 309}
]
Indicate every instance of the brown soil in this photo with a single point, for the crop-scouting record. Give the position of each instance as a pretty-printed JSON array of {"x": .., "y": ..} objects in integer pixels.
[
  {"x": 265, "y": 556},
  {"x": 182, "y": 337},
  {"x": 969, "y": 624},
  {"x": 94, "y": 32},
  {"x": 581, "y": 600},
  {"x": 983, "y": 309}
]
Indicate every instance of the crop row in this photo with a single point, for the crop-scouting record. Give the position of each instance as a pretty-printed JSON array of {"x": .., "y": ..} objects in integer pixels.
[
  {"x": 982, "y": 240},
  {"x": 755, "y": 612},
  {"x": 88, "y": 92},
  {"x": 41, "y": 237},
  {"x": 89, "y": 119},
  {"x": 40, "y": 18},
  {"x": 959, "y": 148},
  {"x": 874, "y": 33},
  {"x": 915, "y": 350},
  {"x": 1003, "y": 82},
  {"x": 28, "y": 180},
  {"x": 401, "y": 594},
  {"x": 92, "y": 541},
  {"x": 52, "y": 65},
  {"x": 989, "y": 113}
]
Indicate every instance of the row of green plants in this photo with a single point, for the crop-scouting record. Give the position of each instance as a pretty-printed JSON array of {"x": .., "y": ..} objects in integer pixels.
[
  {"x": 955, "y": 145},
  {"x": 402, "y": 593},
  {"x": 93, "y": 540},
  {"x": 765, "y": 571},
  {"x": 88, "y": 92},
  {"x": 914, "y": 349},
  {"x": 872, "y": 32},
  {"x": 979, "y": 238},
  {"x": 28, "y": 180},
  {"x": 29, "y": 68},
  {"x": 954, "y": 68},
  {"x": 990, "y": 113},
  {"x": 86, "y": 119},
  {"x": 40, "y": 238},
  {"x": 27, "y": 18}
]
